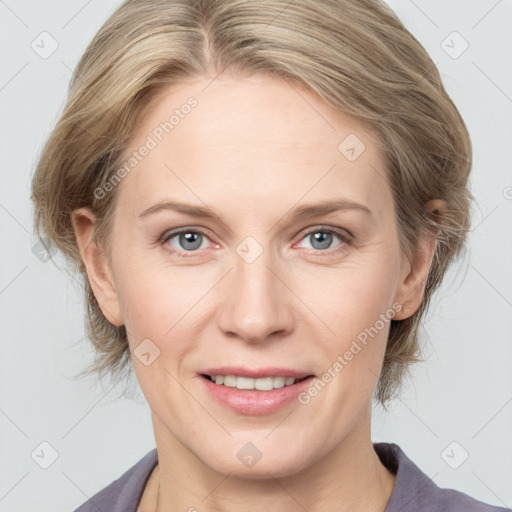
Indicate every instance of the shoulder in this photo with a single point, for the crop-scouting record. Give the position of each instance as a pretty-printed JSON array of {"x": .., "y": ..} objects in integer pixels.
[
  {"x": 414, "y": 490},
  {"x": 124, "y": 493}
]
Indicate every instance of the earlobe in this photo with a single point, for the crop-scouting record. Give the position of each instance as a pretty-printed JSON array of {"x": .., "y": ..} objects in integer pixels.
[
  {"x": 415, "y": 270},
  {"x": 96, "y": 264}
]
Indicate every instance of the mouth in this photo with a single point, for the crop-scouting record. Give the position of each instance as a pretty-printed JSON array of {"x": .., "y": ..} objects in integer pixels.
[
  {"x": 266, "y": 392},
  {"x": 259, "y": 384}
]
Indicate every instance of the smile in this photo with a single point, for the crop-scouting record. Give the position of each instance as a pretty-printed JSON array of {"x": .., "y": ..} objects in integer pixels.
[
  {"x": 262, "y": 384},
  {"x": 243, "y": 395}
]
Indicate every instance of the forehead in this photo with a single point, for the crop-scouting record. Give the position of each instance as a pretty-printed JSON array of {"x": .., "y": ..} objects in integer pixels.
[{"x": 252, "y": 139}]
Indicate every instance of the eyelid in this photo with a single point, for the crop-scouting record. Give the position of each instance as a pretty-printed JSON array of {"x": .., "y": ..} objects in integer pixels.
[
  {"x": 177, "y": 231},
  {"x": 347, "y": 239},
  {"x": 341, "y": 232},
  {"x": 167, "y": 235}
]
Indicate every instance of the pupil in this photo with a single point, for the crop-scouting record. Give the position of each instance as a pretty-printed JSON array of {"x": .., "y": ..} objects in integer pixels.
[
  {"x": 324, "y": 239},
  {"x": 189, "y": 238}
]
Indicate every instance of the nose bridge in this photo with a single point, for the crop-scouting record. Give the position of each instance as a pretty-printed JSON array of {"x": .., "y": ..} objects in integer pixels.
[{"x": 257, "y": 302}]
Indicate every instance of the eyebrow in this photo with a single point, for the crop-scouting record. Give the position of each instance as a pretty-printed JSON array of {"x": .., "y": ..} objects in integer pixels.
[{"x": 301, "y": 212}]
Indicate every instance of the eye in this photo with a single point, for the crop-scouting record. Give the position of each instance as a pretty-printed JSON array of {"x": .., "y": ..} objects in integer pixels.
[
  {"x": 191, "y": 240},
  {"x": 185, "y": 240},
  {"x": 321, "y": 238}
]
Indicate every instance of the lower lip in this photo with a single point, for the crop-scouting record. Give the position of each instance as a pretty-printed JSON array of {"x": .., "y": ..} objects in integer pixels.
[{"x": 255, "y": 403}]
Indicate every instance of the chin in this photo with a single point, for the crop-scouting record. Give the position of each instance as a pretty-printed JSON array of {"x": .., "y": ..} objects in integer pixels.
[{"x": 248, "y": 463}]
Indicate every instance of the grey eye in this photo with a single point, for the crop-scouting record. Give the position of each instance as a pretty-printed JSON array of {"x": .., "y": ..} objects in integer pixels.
[
  {"x": 187, "y": 240},
  {"x": 321, "y": 239}
]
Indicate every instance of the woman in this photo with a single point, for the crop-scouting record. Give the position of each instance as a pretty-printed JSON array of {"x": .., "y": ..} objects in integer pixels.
[{"x": 261, "y": 197}]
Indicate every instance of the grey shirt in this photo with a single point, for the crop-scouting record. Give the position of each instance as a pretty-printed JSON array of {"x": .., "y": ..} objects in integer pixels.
[{"x": 413, "y": 491}]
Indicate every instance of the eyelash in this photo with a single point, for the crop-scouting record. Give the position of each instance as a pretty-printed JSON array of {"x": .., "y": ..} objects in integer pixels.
[{"x": 345, "y": 239}]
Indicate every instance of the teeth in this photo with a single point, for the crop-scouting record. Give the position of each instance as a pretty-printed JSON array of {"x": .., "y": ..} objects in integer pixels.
[{"x": 263, "y": 384}]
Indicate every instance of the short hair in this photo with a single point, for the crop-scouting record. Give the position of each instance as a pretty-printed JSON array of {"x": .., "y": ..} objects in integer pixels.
[{"x": 355, "y": 54}]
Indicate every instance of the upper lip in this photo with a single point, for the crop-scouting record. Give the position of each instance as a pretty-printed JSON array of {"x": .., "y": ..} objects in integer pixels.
[{"x": 256, "y": 373}]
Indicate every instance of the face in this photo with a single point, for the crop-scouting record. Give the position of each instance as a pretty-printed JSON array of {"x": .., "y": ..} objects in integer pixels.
[{"x": 258, "y": 285}]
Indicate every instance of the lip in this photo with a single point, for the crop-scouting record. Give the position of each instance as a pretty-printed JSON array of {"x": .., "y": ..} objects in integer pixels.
[
  {"x": 258, "y": 373},
  {"x": 255, "y": 403}
]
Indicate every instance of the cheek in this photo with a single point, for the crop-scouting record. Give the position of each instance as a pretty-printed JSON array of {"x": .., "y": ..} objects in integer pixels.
[
  {"x": 350, "y": 297},
  {"x": 355, "y": 301},
  {"x": 158, "y": 301}
]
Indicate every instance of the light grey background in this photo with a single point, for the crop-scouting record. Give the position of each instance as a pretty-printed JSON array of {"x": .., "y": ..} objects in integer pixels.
[{"x": 462, "y": 394}]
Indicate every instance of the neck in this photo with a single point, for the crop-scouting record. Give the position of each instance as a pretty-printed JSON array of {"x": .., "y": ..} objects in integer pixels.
[{"x": 350, "y": 477}]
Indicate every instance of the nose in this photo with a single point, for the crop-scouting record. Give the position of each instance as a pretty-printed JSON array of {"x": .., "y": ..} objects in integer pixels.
[{"x": 256, "y": 302}]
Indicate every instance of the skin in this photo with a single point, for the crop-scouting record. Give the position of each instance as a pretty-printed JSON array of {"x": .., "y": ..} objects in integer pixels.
[{"x": 253, "y": 150}]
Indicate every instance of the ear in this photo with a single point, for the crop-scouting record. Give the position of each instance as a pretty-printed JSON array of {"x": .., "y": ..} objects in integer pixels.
[
  {"x": 414, "y": 271},
  {"x": 96, "y": 264}
]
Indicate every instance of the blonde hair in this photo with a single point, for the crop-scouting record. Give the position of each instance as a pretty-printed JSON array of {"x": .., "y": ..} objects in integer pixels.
[{"x": 355, "y": 54}]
